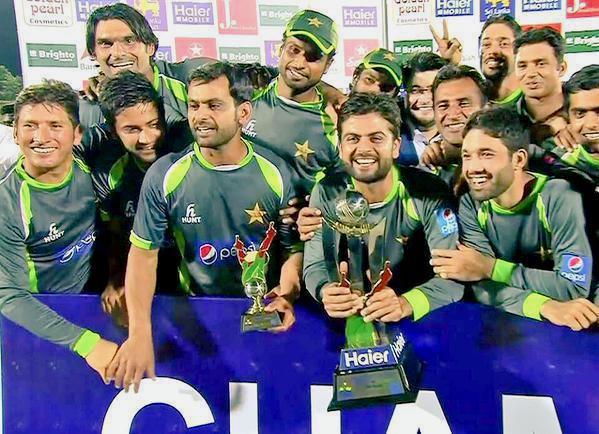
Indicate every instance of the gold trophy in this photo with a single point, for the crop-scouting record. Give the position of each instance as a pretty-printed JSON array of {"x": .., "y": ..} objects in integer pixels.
[{"x": 253, "y": 278}]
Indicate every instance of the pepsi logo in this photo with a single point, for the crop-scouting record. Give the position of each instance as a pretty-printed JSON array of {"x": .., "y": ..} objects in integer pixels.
[
  {"x": 208, "y": 253},
  {"x": 575, "y": 264}
]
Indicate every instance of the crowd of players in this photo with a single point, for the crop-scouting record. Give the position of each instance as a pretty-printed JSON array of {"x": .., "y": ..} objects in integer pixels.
[{"x": 481, "y": 187}]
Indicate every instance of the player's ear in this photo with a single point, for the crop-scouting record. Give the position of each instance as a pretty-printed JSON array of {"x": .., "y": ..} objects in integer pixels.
[
  {"x": 244, "y": 112},
  {"x": 396, "y": 147},
  {"x": 77, "y": 135},
  {"x": 520, "y": 159}
]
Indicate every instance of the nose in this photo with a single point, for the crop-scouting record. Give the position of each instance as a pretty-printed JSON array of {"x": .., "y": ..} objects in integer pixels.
[
  {"x": 455, "y": 111},
  {"x": 472, "y": 165},
  {"x": 143, "y": 137},
  {"x": 42, "y": 134},
  {"x": 116, "y": 49}
]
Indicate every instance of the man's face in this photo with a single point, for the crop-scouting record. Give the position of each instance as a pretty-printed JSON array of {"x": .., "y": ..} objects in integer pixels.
[
  {"x": 118, "y": 49},
  {"x": 373, "y": 81},
  {"x": 487, "y": 165},
  {"x": 140, "y": 130},
  {"x": 213, "y": 117},
  {"x": 299, "y": 64},
  {"x": 497, "y": 51},
  {"x": 538, "y": 70},
  {"x": 455, "y": 101},
  {"x": 46, "y": 136},
  {"x": 420, "y": 98},
  {"x": 368, "y": 147},
  {"x": 584, "y": 115}
]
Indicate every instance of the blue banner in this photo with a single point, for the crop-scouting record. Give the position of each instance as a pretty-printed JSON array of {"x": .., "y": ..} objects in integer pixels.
[{"x": 485, "y": 372}]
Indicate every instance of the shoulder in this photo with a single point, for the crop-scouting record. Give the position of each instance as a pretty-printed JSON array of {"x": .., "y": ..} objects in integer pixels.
[
  {"x": 168, "y": 172},
  {"x": 181, "y": 70},
  {"x": 421, "y": 184}
]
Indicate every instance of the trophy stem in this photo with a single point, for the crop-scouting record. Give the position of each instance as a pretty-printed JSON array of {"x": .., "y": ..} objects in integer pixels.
[{"x": 256, "y": 307}]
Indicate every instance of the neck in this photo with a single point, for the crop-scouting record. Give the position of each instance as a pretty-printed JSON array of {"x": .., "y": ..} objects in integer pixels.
[
  {"x": 230, "y": 153},
  {"x": 376, "y": 192},
  {"x": 54, "y": 175},
  {"x": 515, "y": 193},
  {"x": 508, "y": 86},
  {"x": 300, "y": 96},
  {"x": 149, "y": 74},
  {"x": 429, "y": 133},
  {"x": 144, "y": 165},
  {"x": 540, "y": 108}
]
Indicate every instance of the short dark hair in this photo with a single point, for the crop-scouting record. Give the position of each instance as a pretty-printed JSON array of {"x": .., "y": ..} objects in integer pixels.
[
  {"x": 125, "y": 13},
  {"x": 240, "y": 82},
  {"x": 50, "y": 92},
  {"x": 456, "y": 72},
  {"x": 506, "y": 19},
  {"x": 365, "y": 103},
  {"x": 421, "y": 62},
  {"x": 124, "y": 90},
  {"x": 501, "y": 122},
  {"x": 585, "y": 79},
  {"x": 544, "y": 34}
]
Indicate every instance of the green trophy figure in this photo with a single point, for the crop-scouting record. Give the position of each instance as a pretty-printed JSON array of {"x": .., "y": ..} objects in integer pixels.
[{"x": 253, "y": 278}]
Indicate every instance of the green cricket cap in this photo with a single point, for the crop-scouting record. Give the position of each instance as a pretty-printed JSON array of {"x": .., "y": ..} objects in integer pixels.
[
  {"x": 386, "y": 60},
  {"x": 318, "y": 27}
]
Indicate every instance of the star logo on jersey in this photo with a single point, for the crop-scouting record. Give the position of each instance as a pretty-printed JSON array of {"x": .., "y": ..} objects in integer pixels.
[
  {"x": 53, "y": 234},
  {"x": 389, "y": 57},
  {"x": 256, "y": 214},
  {"x": 303, "y": 150},
  {"x": 315, "y": 22},
  {"x": 403, "y": 240}
]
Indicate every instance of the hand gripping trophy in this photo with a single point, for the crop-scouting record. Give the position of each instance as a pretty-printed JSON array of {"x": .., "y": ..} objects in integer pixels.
[
  {"x": 375, "y": 366},
  {"x": 253, "y": 277}
]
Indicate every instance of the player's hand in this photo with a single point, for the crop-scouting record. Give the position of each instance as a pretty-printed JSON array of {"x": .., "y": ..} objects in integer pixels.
[
  {"x": 134, "y": 359},
  {"x": 386, "y": 306},
  {"x": 577, "y": 314},
  {"x": 101, "y": 356},
  {"x": 113, "y": 303},
  {"x": 433, "y": 155},
  {"x": 449, "y": 48},
  {"x": 280, "y": 303},
  {"x": 289, "y": 215},
  {"x": 92, "y": 90},
  {"x": 465, "y": 264},
  {"x": 340, "y": 301},
  {"x": 569, "y": 138},
  {"x": 308, "y": 222}
]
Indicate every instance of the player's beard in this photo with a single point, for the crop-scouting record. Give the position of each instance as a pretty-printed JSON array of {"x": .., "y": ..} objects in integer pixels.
[
  {"x": 384, "y": 166},
  {"x": 222, "y": 135},
  {"x": 496, "y": 78}
]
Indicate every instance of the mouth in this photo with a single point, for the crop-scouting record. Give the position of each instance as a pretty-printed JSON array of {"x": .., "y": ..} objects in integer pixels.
[
  {"x": 295, "y": 75},
  {"x": 363, "y": 162},
  {"x": 494, "y": 62},
  {"x": 477, "y": 182},
  {"x": 424, "y": 108},
  {"x": 203, "y": 131},
  {"x": 45, "y": 150},
  {"x": 455, "y": 127},
  {"x": 592, "y": 137},
  {"x": 121, "y": 64},
  {"x": 532, "y": 84}
]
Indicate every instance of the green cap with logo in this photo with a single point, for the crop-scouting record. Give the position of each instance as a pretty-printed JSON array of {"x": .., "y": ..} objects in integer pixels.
[
  {"x": 386, "y": 60},
  {"x": 318, "y": 27}
]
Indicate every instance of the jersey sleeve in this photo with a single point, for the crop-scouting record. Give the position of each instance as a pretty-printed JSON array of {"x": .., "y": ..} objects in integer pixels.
[
  {"x": 182, "y": 70},
  {"x": 518, "y": 301},
  {"x": 440, "y": 223},
  {"x": 573, "y": 261},
  {"x": 151, "y": 218},
  {"x": 16, "y": 301},
  {"x": 315, "y": 269},
  {"x": 471, "y": 234}
]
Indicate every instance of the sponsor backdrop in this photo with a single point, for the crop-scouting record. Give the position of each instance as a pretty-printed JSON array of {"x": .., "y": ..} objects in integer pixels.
[
  {"x": 51, "y": 32},
  {"x": 52, "y": 41},
  {"x": 486, "y": 372}
]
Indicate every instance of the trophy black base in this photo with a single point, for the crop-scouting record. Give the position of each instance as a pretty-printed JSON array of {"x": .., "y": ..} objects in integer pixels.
[
  {"x": 260, "y": 321},
  {"x": 395, "y": 383}
]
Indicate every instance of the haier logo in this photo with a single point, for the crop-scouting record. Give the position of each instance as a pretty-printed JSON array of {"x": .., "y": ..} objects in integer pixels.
[
  {"x": 541, "y": 5},
  {"x": 359, "y": 16},
  {"x": 53, "y": 234},
  {"x": 190, "y": 215},
  {"x": 193, "y": 13},
  {"x": 86, "y": 7},
  {"x": 364, "y": 358},
  {"x": 454, "y": 8},
  {"x": 575, "y": 268}
]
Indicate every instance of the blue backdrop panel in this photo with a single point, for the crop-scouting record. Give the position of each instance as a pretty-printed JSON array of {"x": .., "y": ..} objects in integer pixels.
[{"x": 473, "y": 356}]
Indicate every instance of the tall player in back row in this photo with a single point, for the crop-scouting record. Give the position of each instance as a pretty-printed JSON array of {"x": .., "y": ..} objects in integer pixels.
[{"x": 291, "y": 117}]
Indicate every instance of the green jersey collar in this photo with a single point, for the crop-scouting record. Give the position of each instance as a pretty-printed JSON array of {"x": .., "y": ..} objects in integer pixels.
[
  {"x": 527, "y": 201},
  {"x": 20, "y": 169},
  {"x": 588, "y": 157},
  {"x": 208, "y": 165},
  {"x": 306, "y": 105},
  {"x": 512, "y": 97},
  {"x": 156, "y": 81},
  {"x": 391, "y": 195}
]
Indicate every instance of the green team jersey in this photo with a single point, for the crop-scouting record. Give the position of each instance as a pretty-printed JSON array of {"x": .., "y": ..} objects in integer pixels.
[
  {"x": 301, "y": 134},
  {"x": 416, "y": 217},
  {"x": 540, "y": 246},
  {"x": 47, "y": 238},
  {"x": 170, "y": 80},
  {"x": 205, "y": 206}
]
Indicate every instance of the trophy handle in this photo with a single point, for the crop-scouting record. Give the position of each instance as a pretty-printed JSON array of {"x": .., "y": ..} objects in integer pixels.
[
  {"x": 384, "y": 277},
  {"x": 270, "y": 235},
  {"x": 240, "y": 249}
]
